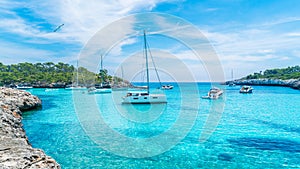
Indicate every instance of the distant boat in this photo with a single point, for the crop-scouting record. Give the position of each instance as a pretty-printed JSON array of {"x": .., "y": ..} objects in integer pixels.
[
  {"x": 50, "y": 90},
  {"x": 246, "y": 89},
  {"x": 99, "y": 89},
  {"x": 144, "y": 96},
  {"x": 231, "y": 83},
  {"x": 76, "y": 85},
  {"x": 214, "y": 93},
  {"x": 24, "y": 87},
  {"x": 167, "y": 87},
  {"x": 103, "y": 87},
  {"x": 75, "y": 88},
  {"x": 94, "y": 90}
]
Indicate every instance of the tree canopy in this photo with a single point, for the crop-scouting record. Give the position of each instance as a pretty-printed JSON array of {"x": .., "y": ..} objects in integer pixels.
[
  {"x": 283, "y": 74},
  {"x": 48, "y": 73}
]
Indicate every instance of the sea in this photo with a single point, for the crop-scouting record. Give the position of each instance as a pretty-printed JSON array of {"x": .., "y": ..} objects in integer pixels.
[{"x": 81, "y": 130}]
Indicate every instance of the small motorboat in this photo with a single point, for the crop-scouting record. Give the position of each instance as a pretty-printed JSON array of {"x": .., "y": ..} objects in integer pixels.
[
  {"x": 24, "y": 87},
  {"x": 214, "y": 93},
  {"x": 94, "y": 90},
  {"x": 75, "y": 87},
  {"x": 246, "y": 89},
  {"x": 100, "y": 88},
  {"x": 167, "y": 87},
  {"x": 231, "y": 84}
]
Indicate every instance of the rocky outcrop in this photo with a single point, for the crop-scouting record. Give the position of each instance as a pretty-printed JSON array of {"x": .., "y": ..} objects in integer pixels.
[
  {"x": 15, "y": 149},
  {"x": 293, "y": 83}
]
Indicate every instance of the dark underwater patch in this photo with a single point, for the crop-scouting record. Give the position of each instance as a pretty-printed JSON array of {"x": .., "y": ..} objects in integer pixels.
[{"x": 284, "y": 145}]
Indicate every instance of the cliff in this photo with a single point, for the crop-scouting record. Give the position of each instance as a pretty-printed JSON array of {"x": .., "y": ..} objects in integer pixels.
[
  {"x": 293, "y": 83},
  {"x": 15, "y": 149}
]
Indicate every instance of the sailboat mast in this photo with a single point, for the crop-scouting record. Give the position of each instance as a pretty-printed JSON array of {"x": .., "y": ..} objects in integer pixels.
[
  {"x": 146, "y": 55},
  {"x": 101, "y": 70},
  {"x": 77, "y": 74},
  {"x": 101, "y": 63}
]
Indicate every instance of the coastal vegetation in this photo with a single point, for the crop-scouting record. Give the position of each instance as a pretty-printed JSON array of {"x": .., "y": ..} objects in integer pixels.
[
  {"x": 48, "y": 73},
  {"x": 288, "y": 77},
  {"x": 282, "y": 74}
]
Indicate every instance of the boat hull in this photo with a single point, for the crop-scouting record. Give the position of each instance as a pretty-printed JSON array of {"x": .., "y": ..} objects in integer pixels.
[
  {"x": 75, "y": 88},
  {"x": 146, "y": 99},
  {"x": 246, "y": 89},
  {"x": 100, "y": 91},
  {"x": 214, "y": 93}
]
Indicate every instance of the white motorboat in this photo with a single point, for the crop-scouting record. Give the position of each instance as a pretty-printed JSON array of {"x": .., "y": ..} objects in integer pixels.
[
  {"x": 214, "y": 93},
  {"x": 75, "y": 87},
  {"x": 24, "y": 87},
  {"x": 246, "y": 89},
  {"x": 167, "y": 87},
  {"x": 94, "y": 90},
  {"x": 144, "y": 96}
]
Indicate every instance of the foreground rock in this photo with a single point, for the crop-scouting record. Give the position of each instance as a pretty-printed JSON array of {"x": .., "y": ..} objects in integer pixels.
[
  {"x": 293, "y": 83},
  {"x": 15, "y": 150}
]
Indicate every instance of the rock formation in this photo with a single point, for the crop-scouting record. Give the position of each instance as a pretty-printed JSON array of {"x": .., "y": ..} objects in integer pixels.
[
  {"x": 293, "y": 83},
  {"x": 15, "y": 149}
]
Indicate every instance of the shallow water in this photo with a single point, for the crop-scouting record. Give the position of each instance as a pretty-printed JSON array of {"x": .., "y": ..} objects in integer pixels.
[{"x": 259, "y": 130}]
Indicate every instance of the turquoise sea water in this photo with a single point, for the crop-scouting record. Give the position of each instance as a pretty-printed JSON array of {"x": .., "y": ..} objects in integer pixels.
[{"x": 259, "y": 130}]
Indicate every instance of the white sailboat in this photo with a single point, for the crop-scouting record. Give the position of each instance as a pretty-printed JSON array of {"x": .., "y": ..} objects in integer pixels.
[
  {"x": 231, "y": 83},
  {"x": 144, "y": 96},
  {"x": 76, "y": 85},
  {"x": 103, "y": 87}
]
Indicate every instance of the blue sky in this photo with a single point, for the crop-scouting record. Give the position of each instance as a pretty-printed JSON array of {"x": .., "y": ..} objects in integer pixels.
[{"x": 248, "y": 36}]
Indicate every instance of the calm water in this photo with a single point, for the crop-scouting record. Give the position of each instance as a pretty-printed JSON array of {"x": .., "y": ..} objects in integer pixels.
[{"x": 259, "y": 130}]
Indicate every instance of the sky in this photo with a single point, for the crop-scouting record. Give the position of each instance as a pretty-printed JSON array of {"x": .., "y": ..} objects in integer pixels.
[{"x": 247, "y": 35}]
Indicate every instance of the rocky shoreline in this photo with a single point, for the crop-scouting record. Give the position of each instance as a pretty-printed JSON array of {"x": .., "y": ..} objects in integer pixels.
[
  {"x": 293, "y": 83},
  {"x": 15, "y": 149}
]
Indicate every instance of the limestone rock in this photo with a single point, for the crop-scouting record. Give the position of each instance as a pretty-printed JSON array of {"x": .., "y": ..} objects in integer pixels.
[
  {"x": 293, "y": 83},
  {"x": 15, "y": 150}
]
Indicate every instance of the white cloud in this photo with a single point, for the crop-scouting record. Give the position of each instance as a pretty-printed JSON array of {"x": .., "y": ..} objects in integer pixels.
[
  {"x": 254, "y": 45},
  {"x": 81, "y": 19},
  {"x": 23, "y": 54},
  {"x": 281, "y": 21},
  {"x": 293, "y": 34},
  {"x": 211, "y": 9}
]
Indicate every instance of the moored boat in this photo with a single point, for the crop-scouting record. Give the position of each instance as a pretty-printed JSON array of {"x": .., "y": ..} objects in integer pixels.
[
  {"x": 94, "y": 90},
  {"x": 144, "y": 96},
  {"x": 214, "y": 93},
  {"x": 24, "y": 87},
  {"x": 246, "y": 89},
  {"x": 167, "y": 87},
  {"x": 75, "y": 87}
]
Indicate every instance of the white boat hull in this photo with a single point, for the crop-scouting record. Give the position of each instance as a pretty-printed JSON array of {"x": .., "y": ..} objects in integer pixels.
[
  {"x": 75, "y": 88},
  {"x": 146, "y": 99},
  {"x": 213, "y": 94},
  {"x": 100, "y": 91},
  {"x": 24, "y": 87}
]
